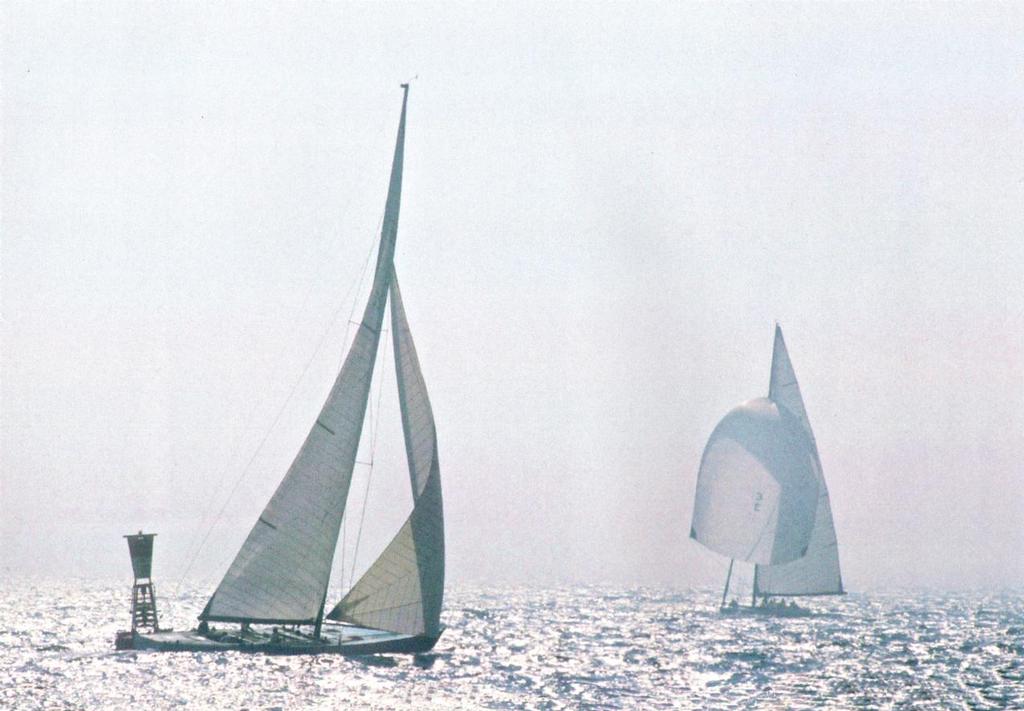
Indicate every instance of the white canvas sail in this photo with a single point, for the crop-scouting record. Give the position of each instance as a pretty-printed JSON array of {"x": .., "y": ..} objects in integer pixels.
[
  {"x": 783, "y": 389},
  {"x": 817, "y": 573},
  {"x": 402, "y": 590},
  {"x": 757, "y": 486},
  {"x": 282, "y": 571}
]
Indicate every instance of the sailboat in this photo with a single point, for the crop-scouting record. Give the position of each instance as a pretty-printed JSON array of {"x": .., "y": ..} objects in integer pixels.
[
  {"x": 762, "y": 498},
  {"x": 274, "y": 595}
]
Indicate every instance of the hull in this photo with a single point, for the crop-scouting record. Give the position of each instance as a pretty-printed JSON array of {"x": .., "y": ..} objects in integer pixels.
[
  {"x": 334, "y": 639},
  {"x": 765, "y": 611}
]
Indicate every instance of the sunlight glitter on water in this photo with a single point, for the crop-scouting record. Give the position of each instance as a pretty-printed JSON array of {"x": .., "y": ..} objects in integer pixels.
[{"x": 541, "y": 648}]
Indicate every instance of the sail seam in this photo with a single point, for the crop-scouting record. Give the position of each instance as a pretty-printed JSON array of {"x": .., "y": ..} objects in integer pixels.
[{"x": 326, "y": 427}]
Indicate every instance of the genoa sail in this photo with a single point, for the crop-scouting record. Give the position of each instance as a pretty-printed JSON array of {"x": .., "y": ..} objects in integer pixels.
[
  {"x": 281, "y": 573},
  {"x": 402, "y": 590},
  {"x": 817, "y": 573},
  {"x": 757, "y": 487}
]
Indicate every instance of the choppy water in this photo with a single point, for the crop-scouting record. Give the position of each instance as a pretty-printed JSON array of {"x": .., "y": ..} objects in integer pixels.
[{"x": 518, "y": 647}]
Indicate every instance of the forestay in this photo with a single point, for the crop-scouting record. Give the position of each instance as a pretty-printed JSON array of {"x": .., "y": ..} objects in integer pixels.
[
  {"x": 282, "y": 571},
  {"x": 402, "y": 590},
  {"x": 757, "y": 486},
  {"x": 817, "y": 573}
]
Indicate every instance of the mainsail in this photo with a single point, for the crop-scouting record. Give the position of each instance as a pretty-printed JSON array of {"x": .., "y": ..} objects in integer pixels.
[
  {"x": 282, "y": 571},
  {"x": 757, "y": 486},
  {"x": 817, "y": 573}
]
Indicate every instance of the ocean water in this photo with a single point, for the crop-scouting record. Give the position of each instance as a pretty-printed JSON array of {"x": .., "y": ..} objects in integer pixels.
[{"x": 507, "y": 648}]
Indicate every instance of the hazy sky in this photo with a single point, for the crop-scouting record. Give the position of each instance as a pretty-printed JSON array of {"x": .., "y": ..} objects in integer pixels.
[{"x": 605, "y": 209}]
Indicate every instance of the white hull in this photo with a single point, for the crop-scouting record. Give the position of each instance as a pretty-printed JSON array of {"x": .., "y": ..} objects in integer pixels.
[
  {"x": 765, "y": 611},
  {"x": 334, "y": 639}
]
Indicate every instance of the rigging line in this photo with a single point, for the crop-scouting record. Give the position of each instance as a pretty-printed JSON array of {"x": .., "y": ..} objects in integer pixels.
[
  {"x": 359, "y": 289},
  {"x": 330, "y": 325},
  {"x": 237, "y": 445},
  {"x": 375, "y": 420},
  {"x": 238, "y": 441},
  {"x": 277, "y": 418},
  {"x": 348, "y": 328},
  {"x": 209, "y": 501},
  {"x": 764, "y": 529}
]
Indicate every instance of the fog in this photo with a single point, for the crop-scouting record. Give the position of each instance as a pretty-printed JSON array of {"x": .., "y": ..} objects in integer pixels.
[{"x": 606, "y": 208}]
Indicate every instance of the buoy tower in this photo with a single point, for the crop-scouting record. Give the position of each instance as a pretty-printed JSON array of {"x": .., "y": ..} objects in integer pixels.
[{"x": 144, "y": 617}]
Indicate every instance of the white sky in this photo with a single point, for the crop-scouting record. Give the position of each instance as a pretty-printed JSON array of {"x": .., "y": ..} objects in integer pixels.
[{"x": 605, "y": 208}]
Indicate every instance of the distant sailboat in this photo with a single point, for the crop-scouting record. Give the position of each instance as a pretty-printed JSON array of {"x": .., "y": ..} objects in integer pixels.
[
  {"x": 761, "y": 497},
  {"x": 279, "y": 579}
]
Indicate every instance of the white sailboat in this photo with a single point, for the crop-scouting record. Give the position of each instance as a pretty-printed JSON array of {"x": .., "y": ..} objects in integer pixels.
[
  {"x": 761, "y": 497},
  {"x": 275, "y": 590}
]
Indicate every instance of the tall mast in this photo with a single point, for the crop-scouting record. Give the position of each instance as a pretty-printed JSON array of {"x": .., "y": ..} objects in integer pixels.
[
  {"x": 282, "y": 572},
  {"x": 728, "y": 575},
  {"x": 384, "y": 269}
]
